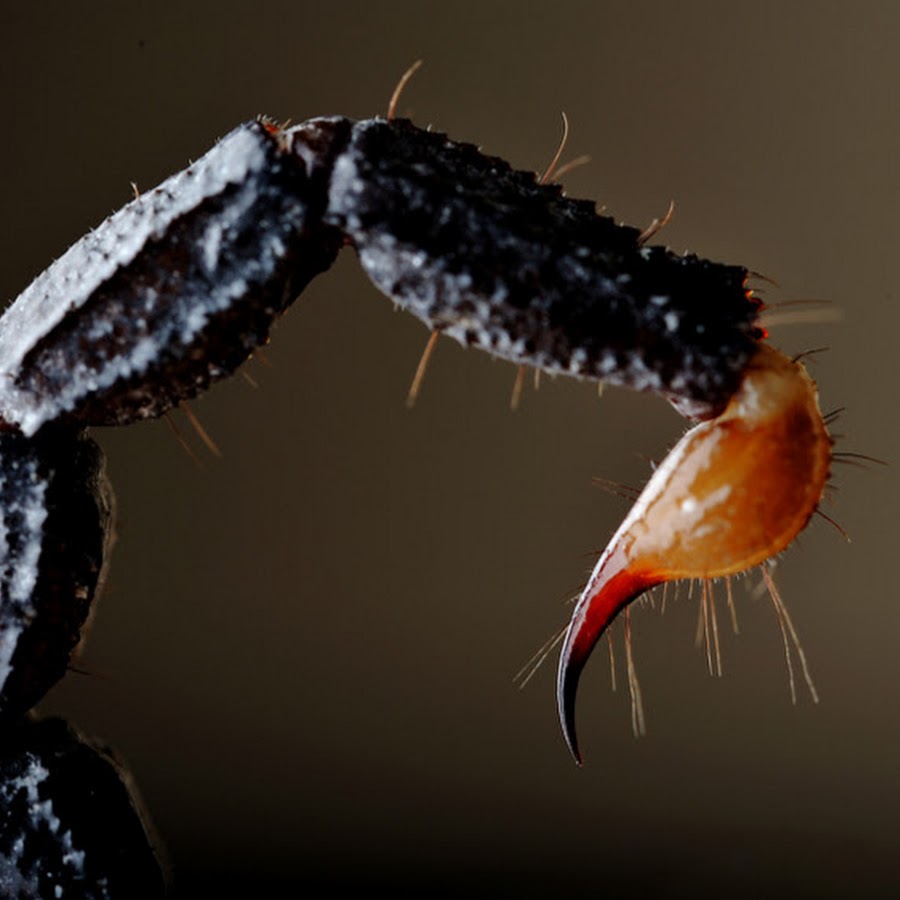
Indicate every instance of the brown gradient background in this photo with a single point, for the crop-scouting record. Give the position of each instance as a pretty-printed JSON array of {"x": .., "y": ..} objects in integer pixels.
[{"x": 306, "y": 649}]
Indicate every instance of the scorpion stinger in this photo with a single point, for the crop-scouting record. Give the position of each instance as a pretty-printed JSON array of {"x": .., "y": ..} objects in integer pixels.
[
  {"x": 734, "y": 491},
  {"x": 177, "y": 289}
]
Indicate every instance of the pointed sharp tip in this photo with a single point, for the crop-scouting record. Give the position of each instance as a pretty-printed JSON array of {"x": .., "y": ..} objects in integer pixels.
[
  {"x": 568, "y": 675},
  {"x": 597, "y": 607}
]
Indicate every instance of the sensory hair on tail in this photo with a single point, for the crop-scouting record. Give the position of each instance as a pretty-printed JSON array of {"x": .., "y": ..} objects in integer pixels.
[{"x": 176, "y": 291}]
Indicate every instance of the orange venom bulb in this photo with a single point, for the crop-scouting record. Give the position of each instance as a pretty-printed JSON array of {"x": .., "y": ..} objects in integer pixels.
[{"x": 733, "y": 492}]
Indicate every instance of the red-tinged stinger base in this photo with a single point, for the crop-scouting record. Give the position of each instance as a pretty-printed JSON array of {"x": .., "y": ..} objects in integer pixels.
[{"x": 735, "y": 491}]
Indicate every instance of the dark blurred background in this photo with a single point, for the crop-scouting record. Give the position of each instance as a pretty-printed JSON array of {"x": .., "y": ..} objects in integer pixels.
[{"x": 306, "y": 649}]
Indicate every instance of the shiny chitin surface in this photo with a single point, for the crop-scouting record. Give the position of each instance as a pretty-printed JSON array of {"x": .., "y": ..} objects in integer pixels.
[{"x": 733, "y": 492}]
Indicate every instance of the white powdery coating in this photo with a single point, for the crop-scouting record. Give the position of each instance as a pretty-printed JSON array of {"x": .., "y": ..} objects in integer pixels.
[
  {"x": 40, "y": 815},
  {"x": 31, "y": 412},
  {"x": 9, "y": 639},
  {"x": 347, "y": 184},
  {"x": 20, "y": 570},
  {"x": 70, "y": 281}
]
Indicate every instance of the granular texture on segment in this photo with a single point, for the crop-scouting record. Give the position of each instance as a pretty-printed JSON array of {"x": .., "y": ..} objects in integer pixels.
[
  {"x": 175, "y": 290},
  {"x": 56, "y": 519},
  {"x": 486, "y": 255},
  {"x": 169, "y": 294},
  {"x": 71, "y": 825}
]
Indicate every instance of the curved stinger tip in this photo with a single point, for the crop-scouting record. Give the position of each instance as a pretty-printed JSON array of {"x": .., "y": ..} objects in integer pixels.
[
  {"x": 735, "y": 491},
  {"x": 612, "y": 586}
]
